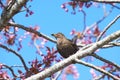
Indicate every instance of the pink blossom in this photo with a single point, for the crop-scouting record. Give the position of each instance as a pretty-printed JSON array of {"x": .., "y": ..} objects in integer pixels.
[
  {"x": 63, "y": 6},
  {"x": 66, "y": 10},
  {"x": 71, "y": 69},
  {"x": 92, "y": 71},
  {"x": 73, "y": 32}
]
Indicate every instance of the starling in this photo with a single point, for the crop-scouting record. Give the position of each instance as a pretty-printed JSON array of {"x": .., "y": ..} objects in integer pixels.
[{"x": 65, "y": 46}]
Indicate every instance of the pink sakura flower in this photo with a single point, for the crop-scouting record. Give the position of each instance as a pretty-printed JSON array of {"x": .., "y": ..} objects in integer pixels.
[{"x": 92, "y": 71}]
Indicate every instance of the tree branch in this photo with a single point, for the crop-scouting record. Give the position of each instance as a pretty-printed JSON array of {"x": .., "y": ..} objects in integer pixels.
[
  {"x": 102, "y": 76},
  {"x": 107, "y": 27},
  {"x": 97, "y": 68},
  {"x": 12, "y": 71},
  {"x": 79, "y": 54},
  {"x": 115, "y": 6},
  {"x": 111, "y": 44},
  {"x": 106, "y": 61},
  {"x": 100, "y": 20},
  {"x": 84, "y": 20},
  {"x": 17, "y": 54},
  {"x": 32, "y": 31},
  {"x": 10, "y": 11}
]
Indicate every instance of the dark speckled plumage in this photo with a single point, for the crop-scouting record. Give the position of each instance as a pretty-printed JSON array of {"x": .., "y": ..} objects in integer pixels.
[{"x": 65, "y": 46}]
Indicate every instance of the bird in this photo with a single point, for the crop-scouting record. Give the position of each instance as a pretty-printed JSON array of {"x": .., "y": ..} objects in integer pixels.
[{"x": 65, "y": 46}]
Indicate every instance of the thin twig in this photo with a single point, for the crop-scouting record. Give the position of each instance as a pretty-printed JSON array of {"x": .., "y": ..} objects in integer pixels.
[
  {"x": 32, "y": 31},
  {"x": 17, "y": 54},
  {"x": 101, "y": 76},
  {"x": 2, "y": 5},
  {"x": 17, "y": 66},
  {"x": 114, "y": 43},
  {"x": 106, "y": 61},
  {"x": 12, "y": 71},
  {"x": 84, "y": 21},
  {"x": 38, "y": 49},
  {"x": 99, "y": 21},
  {"x": 107, "y": 27},
  {"x": 97, "y": 68},
  {"x": 115, "y": 6},
  {"x": 111, "y": 44}
]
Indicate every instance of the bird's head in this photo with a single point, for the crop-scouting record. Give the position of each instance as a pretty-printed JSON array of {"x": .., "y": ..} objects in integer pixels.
[{"x": 58, "y": 35}]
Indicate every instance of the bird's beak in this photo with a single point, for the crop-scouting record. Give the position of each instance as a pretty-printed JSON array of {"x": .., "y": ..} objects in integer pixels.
[{"x": 53, "y": 35}]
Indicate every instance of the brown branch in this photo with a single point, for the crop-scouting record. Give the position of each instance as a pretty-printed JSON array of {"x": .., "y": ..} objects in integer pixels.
[
  {"x": 106, "y": 61},
  {"x": 103, "y": 18},
  {"x": 2, "y": 5},
  {"x": 114, "y": 43},
  {"x": 102, "y": 76},
  {"x": 97, "y": 68},
  {"x": 79, "y": 54},
  {"x": 107, "y": 27},
  {"x": 84, "y": 21},
  {"x": 100, "y": 20},
  {"x": 12, "y": 71},
  {"x": 17, "y": 66},
  {"x": 17, "y": 54},
  {"x": 115, "y": 6},
  {"x": 32, "y": 31},
  {"x": 111, "y": 44},
  {"x": 9, "y": 12}
]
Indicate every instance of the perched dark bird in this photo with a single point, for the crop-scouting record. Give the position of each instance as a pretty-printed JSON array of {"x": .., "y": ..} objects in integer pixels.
[{"x": 65, "y": 46}]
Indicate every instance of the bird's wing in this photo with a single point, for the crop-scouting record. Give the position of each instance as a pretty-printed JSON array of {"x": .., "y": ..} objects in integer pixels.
[{"x": 73, "y": 44}]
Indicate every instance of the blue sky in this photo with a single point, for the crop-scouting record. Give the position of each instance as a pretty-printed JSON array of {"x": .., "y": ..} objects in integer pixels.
[{"x": 52, "y": 19}]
